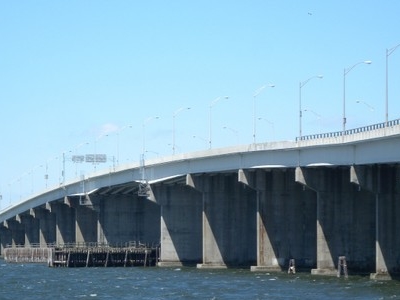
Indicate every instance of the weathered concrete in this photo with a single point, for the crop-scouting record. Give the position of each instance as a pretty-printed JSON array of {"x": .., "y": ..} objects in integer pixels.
[
  {"x": 47, "y": 225},
  {"x": 128, "y": 218},
  {"x": 229, "y": 224},
  {"x": 286, "y": 217},
  {"x": 345, "y": 220},
  {"x": 181, "y": 224},
  {"x": 382, "y": 182},
  {"x": 86, "y": 217},
  {"x": 31, "y": 229},
  {"x": 5, "y": 238},
  {"x": 65, "y": 222},
  {"x": 17, "y": 232}
]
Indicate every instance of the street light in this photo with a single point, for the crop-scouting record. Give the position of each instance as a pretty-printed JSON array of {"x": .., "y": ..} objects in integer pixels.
[
  {"x": 118, "y": 133},
  {"x": 210, "y": 117},
  {"x": 143, "y": 132},
  {"x": 300, "y": 109},
  {"x": 173, "y": 126},
  {"x": 234, "y": 131},
  {"x": 270, "y": 123},
  {"x": 256, "y": 93},
  {"x": 388, "y": 52},
  {"x": 200, "y": 138},
  {"x": 314, "y": 113},
  {"x": 366, "y": 104},
  {"x": 143, "y": 185},
  {"x": 345, "y": 72}
]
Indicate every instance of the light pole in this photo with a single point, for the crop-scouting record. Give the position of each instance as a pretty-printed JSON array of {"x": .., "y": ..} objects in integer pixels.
[
  {"x": 118, "y": 133},
  {"x": 366, "y": 104},
  {"x": 210, "y": 117},
  {"x": 301, "y": 84},
  {"x": 173, "y": 126},
  {"x": 256, "y": 93},
  {"x": 388, "y": 52},
  {"x": 143, "y": 185},
  {"x": 270, "y": 123},
  {"x": 200, "y": 138},
  {"x": 345, "y": 72},
  {"x": 234, "y": 131},
  {"x": 144, "y": 134},
  {"x": 314, "y": 113}
]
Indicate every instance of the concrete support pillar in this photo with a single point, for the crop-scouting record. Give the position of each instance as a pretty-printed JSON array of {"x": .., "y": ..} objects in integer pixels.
[
  {"x": 229, "y": 225},
  {"x": 86, "y": 217},
  {"x": 285, "y": 219},
  {"x": 17, "y": 232},
  {"x": 181, "y": 224},
  {"x": 65, "y": 222},
  {"x": 345, "y": 217},
  {"x": 383, "y": 181},
  {"x": 127, "y": 218},
  {"x": 266, "y": 256},
  {"x": 47, "y": 226},
  {"x": 31, "y": 229},
  {"x": 5, "y": 238},
  {"x": 316, "y": 180}
]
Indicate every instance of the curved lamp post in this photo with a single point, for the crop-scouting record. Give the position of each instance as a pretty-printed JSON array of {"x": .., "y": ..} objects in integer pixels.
[
  {"x": 388, "y": 52},
  {"x": 144, "y": 134},
  {"x": 256, "y": 93},
  {"x": 300, "y": 109},
  {"x": 366, "y": 104},
  {"x": 210, "y": 117},
  {"x": 173, "y": 125},
  {"x": 234, "y": 131},
  {"x": 345, "y": 72}
]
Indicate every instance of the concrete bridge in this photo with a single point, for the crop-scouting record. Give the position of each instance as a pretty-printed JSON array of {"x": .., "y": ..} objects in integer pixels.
[{"x": 259, "y": 205}]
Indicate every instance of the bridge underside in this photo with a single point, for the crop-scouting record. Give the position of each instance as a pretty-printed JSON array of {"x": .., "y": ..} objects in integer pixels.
[{"x": 253, "y": 217}]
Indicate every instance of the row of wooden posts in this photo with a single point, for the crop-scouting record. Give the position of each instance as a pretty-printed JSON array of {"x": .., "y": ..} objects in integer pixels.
[{"x": 105, "y": 257}]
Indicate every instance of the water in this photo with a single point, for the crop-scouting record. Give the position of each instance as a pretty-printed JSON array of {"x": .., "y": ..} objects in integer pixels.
[{"x": 36, "y": 281}]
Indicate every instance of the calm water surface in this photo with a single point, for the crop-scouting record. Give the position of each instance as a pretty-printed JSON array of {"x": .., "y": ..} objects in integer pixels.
[{"x": 35, "y": 281}]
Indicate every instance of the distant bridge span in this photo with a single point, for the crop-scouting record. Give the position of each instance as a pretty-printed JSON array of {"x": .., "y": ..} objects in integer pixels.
[{"x": 311, "y": 162}]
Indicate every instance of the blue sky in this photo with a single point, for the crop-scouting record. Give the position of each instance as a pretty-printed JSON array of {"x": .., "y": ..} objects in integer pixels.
[{"x": 81, "y": 77}]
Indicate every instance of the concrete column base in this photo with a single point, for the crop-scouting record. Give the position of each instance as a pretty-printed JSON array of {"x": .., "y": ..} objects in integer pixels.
[
  {"x": 380, "y": 276},
  {"x": 211, "y": 266},
  {"x": 169, "y": 264},
  {"x": 324, "y": 272},
  {"x": 265, "y": 269}
]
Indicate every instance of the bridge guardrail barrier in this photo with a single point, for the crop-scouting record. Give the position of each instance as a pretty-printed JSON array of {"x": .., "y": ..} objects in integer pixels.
[{"x": 349, "y": 131}]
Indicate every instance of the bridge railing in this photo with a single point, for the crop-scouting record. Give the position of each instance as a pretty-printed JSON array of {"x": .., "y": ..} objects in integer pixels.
[{"x": 349, "y": 131}]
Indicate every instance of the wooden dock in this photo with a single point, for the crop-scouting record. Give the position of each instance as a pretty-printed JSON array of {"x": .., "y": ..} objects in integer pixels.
[
  {"x": 131, "y": 254},
  {"x": 105, "y": 256}
]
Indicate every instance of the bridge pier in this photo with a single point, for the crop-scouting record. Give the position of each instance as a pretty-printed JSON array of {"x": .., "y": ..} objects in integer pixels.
[
  {"x": 17, "y": 232},
  {"x": 285, "y": 219},
  {"x": 47, "y": 225},
  {"x": 126, "y": 217},
  {"x": 181, "y": 224},
  {"x": 86, "y": 221},
  {"x": 382, "y": 182},
  {"x": 31, "y": 229},
  {"x": 5, "y": 237},
  {"x": 65, "y": 221},
  {"x": 345, "y": 217},
  {"x": 228, "y": 220}
]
